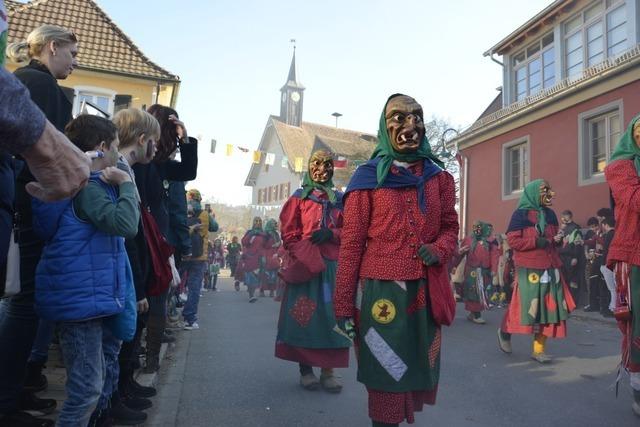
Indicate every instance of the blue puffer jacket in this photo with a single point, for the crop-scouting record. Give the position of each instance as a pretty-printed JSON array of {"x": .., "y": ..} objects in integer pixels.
[{"x": 83, "y": 272}]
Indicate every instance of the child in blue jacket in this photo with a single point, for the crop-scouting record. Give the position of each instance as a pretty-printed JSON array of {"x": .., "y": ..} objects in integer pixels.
[{"x": 84, "y": 273}]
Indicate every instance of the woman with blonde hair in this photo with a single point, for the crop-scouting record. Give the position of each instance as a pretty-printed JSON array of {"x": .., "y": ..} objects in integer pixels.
[{"x": 51, "y": 55}]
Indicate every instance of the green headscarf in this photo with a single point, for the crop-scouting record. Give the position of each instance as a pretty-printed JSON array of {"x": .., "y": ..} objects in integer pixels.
[
  {"x": 271, "y": 228},
  {"x": 387, "y": 155},
  {"x": 485, "y": 228},
  {"x": 308, "y": 185},
  {"x": 627, "y": 149},
  {"x": 530, "y": 200}
]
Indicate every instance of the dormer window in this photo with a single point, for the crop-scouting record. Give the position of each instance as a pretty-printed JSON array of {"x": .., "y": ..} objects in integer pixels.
[
  {"x": 593, "y": 35},
  {"x": 534, "y": 67}
]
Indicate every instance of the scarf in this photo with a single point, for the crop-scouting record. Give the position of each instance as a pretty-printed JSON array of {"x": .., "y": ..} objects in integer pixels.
[
  {"x": 530, "y": 200},
  {"x": 308, "y": 185},
  {"x": 384, "y": 150},
  {"x": 482, "y": 237},
  {"x": 627, "y": 149},
  {"x": 270, "y": 229}
]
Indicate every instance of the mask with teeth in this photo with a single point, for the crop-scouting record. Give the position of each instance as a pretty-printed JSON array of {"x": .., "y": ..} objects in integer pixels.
[
  {"x": 546, "y": 194},
  {"x": 321, "y": 167},
  {"x": 405, "y": 125}
]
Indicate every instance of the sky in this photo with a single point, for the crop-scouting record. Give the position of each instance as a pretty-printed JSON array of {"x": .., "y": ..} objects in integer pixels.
[{"x": 233, "y": 57}]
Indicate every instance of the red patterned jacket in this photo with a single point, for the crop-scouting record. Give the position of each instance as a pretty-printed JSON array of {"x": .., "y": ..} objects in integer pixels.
[
  {"x": 523, "y": 243},
  {"x": 301, "y": 217},
  {"x": 624, "y": 183},
  {"x": 383, "y": 230}
]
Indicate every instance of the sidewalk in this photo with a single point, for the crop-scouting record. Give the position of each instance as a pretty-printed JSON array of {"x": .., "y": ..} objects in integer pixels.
[{"x": 594, "y": 316}]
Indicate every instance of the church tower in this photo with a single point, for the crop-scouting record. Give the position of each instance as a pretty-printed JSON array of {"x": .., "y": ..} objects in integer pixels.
[{"x": 292, "y": 97}]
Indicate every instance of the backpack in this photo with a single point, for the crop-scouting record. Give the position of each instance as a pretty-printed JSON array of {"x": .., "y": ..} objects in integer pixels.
[{"x": 160, "y": 276}]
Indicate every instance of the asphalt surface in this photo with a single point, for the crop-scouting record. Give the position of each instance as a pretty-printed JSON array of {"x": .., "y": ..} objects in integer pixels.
[{"x": 225, "y": 374}]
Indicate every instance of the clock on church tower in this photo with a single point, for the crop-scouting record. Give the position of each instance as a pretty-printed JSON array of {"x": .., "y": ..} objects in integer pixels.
[{"x": 292, "y": 97}]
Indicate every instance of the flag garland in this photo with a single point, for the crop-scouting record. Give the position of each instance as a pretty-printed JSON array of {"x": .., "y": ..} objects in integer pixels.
[{"x": 271, "y": 159}]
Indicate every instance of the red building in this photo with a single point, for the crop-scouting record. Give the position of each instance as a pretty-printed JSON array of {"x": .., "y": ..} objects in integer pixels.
[{"x": 571, "y": 84}]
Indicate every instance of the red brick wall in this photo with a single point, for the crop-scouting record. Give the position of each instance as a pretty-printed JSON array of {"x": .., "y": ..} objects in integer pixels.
[{"x": 553, "y": 143}]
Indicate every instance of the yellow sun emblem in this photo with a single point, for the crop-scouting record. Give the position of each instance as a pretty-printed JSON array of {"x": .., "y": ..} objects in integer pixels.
[
  {"x": 383, "y": 311},
  {"x": 534, "y": 278},
  {"x": 473, "y": 274}
]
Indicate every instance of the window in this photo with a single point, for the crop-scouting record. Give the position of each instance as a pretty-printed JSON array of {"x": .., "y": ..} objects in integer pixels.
[
  {"x": 101, "y": 98},
  {"x": 259, "y": 196},
  {"x": 534, "y": 67},
  {"x": 593, "y": 35},
  {"x": 515, "y": 159},
  {"x": 598, "y": 133}
]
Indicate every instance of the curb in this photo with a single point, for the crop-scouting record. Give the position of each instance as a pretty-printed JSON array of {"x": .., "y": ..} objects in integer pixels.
[{"x": 610, "y": 321}]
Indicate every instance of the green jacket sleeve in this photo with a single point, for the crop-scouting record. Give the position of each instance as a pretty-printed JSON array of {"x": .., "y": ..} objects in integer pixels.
[{"x": 120, "y": 218}]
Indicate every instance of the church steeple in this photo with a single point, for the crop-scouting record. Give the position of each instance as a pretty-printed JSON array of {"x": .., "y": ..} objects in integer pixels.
[{"x": 292, "y": 96}]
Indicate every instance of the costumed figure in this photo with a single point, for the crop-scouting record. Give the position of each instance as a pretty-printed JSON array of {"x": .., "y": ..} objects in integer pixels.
[
  {"x": 234, "y": 249},
  {"x": 479, "y": 270},
  {"x": 400, "y": 230},
  {"x": 216, "y": 263},
  {"x": 252, "y": 261},
  {"x": 311, "y": 223},
  {"x": 541, "y": 301},
  {"x": 272, "y": 260},
  {"x": 623, "y": 177}
]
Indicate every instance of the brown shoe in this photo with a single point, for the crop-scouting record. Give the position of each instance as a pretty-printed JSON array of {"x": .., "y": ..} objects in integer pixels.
[
  {"x": 309, "y": 382},
  {"x": 330, "y": 383}
]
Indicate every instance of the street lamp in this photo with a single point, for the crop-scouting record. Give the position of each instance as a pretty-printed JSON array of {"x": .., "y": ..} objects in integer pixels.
[
  {"x": 443, "y": 144},
  {"x": 336, "y": 115}
]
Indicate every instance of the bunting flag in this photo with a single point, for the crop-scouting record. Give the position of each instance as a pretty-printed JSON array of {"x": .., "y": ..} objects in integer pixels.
[
  {"x": 299, "y": 164},
  {"x": 270, "y": 159},
  {"x": 257, "y": 156},
  {"x": 285, "y": 162},
  {"x": 244, "y": 150},
  {"x": 340, "y": 162},
  {"x": 229, "y": 149},
  {"x": 213, "y": 146}
]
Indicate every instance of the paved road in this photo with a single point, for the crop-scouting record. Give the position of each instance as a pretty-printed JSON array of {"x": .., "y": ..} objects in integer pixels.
[{"x": 225, "y": 375}]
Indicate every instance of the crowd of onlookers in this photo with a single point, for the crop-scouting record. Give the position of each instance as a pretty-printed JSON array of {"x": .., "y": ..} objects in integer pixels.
[
  {"x": 583, "y": 253},
  {"x": 99, "y": 248}
]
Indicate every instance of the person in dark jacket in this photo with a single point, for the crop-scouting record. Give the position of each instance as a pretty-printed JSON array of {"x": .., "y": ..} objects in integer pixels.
[
  {"x": 51, "y": 52},
  {"x": 153, "y": 185},
  {"x": 138, "y": 132}
]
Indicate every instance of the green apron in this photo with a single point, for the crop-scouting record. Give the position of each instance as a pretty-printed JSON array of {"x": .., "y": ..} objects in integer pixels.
[{"x": 398, "y": 342}]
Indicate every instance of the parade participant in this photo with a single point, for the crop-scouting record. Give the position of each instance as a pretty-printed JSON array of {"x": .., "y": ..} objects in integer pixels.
[
  {"x": 400, "y": 230},
  {"x": 233, "y": 256},
  {"x": 541, "y": 300},
  {"x": 252, "y": 261},
  {"x": 216, "y": 262},
  {"x": 480, "y": 269},
  {"x": 272, "y": 261},
  {"x": 311, "y": 226},
  {"x": 623, "y": 177}
]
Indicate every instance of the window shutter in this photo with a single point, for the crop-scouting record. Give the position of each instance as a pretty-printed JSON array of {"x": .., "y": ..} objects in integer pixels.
[{"x": 122, "y": 102}]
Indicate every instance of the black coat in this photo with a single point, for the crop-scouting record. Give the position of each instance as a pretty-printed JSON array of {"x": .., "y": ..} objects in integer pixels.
[
  {"x": 49, "y": 97},
  {"x": 153, "y": 181}
]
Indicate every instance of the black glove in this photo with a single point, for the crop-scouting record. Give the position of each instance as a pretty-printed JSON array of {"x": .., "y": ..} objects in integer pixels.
[
  {"x": 321, "y": 236},
  {"x": 427, "y": 257},
  {"x": 541, "y": 242}
]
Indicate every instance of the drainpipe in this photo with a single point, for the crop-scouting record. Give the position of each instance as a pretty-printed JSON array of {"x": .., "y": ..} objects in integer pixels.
[
  {"x": 495, "y": 60},
  {"x": 465, "y": 176}
]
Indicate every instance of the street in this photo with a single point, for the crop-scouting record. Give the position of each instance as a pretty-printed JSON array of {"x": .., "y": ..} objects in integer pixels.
[{"x": 225, "y": 374}]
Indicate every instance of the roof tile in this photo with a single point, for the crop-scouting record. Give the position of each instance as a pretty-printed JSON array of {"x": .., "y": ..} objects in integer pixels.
[{"x": 103, "y": 46}]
